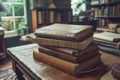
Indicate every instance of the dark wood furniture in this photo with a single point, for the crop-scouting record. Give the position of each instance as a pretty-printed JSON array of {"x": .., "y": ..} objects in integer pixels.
[
  {"x": 106, "y": 11},
  {"x": 23, "y": 63},
  {"x": 2, "y": 44},
  {"x": 42, "y": 17}
]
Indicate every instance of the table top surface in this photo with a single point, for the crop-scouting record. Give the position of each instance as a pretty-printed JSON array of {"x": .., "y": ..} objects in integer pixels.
[{"x": 24, "y": 54}]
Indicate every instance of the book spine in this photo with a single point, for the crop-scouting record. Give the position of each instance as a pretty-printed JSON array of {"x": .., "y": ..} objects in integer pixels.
[
  {"x": 61, "y": 43},
  {"x": 68, "y": 67},
  {"x": 57, "y": 54},
  {"x": 106, "y": 44},
  {"x": 74, "y": 52},
  {"x": 110, "y": 50},
  {"x": 71, "y": 58}
]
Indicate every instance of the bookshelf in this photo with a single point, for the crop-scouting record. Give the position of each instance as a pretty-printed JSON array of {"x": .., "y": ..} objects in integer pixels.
[
  {"x": 2, "y": 44},
  {"x": 42, "y": 17},
  {"x": 106, "y": 11}
]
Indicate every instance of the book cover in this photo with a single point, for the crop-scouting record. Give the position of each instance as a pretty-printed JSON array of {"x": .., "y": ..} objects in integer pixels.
[
  {"x": 107, "y": 36},
  {"x": 110, "y": 50},
  {"x": 74, "y": 52},
  {"x": 68, "y": 67},
  {"x": 67, "y": 57},
  {"x": 107, "y": 43},
  {"x": 66, "y": 32},
  {"x": 65, "y": 44}
]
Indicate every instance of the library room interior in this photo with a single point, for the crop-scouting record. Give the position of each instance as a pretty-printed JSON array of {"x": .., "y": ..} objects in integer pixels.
[{"x": 59, "y": 39}]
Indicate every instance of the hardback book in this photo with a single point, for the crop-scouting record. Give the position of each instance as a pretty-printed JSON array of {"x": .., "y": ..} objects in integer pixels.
[
  {"x": 116, "y": 71},
  {"x": 66, "y": 32},
  {"x": 107, "y": 36},
  {"x": 66, "y": 66},
  {"x": 81, "y": 45},
  {"x": 67, "y": 57},
  {"x": 74, "y": 52},
  {"x": 110, "y": 50},
  {"x": 107, "y": 43}
]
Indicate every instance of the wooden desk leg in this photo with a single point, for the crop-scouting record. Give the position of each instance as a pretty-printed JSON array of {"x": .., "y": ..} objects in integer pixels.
[{"x": 17, "y": 71}]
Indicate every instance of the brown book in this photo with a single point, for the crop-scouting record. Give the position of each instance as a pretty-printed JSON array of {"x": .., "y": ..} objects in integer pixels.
[
  {"x": 67, "y": 57},
  {"x": 61, "y": 43},
  {"x": 75, "y": 52},
  {"x": 66, "y": 66},
  {"x": 107, "y": 36},
  {"x": 66, "y": 32}
]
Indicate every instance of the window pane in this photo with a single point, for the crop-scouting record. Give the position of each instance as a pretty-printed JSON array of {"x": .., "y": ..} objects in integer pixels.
[
  {"x": 7, "y": 23},
  {"x": 19, "y": 10},
  {"x": 8, "y": 10},
  {"x": 18, "y": 0},
  {"x": 19, "y": 22},
  {"x": 5, "y": 0}
]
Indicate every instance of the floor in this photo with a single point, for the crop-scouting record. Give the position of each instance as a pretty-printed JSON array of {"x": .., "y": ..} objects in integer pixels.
[{"x": 5, "y": 63}]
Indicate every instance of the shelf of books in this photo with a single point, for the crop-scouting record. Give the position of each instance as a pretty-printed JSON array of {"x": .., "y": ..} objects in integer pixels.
[
  {"x": 106, "y": 11},
  {"x": 41, "y": 17}
]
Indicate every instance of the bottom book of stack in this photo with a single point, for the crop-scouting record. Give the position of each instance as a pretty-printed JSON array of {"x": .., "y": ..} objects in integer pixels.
[{"x": 72, "y": 68}]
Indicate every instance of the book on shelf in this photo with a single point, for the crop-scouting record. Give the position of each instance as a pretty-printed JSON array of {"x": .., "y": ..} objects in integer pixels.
[
  {"x": 75, "y": 52},
  {"x": 67, "y": 32},
  {"x": 81, "y": 45},
  {"x": 107, "y": 36},
  {"x": 107, "y": 43},
  {"x": 74, "y": 59},
  {"x": 66, "y": 66}
]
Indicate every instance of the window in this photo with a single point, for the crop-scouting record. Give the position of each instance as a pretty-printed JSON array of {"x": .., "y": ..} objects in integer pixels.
[
  {"x": 78, "y": 6},
  {"x": 15, "y": 15}
]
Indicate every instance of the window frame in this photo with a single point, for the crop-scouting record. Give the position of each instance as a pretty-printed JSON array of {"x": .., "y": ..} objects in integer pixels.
[{"x": 13, "y": 33}]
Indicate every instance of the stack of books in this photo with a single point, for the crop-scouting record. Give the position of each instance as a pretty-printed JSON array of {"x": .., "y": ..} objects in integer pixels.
[
  {"x": 69, "y": 48},
  {"x": 108, "y": 41}
]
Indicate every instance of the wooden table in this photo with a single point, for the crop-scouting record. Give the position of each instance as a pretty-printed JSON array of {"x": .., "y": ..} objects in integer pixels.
[{"x": 24, "y": 64}]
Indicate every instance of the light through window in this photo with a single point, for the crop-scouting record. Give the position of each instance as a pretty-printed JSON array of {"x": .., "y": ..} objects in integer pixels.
[{"x": 15, "y": 15}]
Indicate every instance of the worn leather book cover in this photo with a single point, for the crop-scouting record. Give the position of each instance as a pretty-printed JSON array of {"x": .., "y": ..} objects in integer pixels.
[
  {"x": 67, "y": 57},
  {"x": 66, "y": 66},
  {"x": 81, "y": 45},
  {"x": 107, "y": 36},
  {"x": 74, "y": 52},
  {"x": 116, "y": 71},
  {"x": 66, "y": 32}
]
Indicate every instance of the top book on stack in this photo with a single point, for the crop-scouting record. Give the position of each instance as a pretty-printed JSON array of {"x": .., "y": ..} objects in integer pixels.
[{"x": 63, "y": 34}]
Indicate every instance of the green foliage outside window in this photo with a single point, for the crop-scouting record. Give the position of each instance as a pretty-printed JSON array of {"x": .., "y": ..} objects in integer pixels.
[
  {"x": 13, "y": 20},
  {"x": 19, "y": 10}
]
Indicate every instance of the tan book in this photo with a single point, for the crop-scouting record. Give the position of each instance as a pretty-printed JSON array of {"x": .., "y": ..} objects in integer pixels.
[
  {"x": 61, "y": 43},
  {"x": 118, "y": 30},
  {"x": 107, "y": 36},
  {"x": 113, "y": 26},
  {"x": 68, "y": 67},
  {"x": 66, "y": 32},
  {"x": 74, "y": 59}
]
